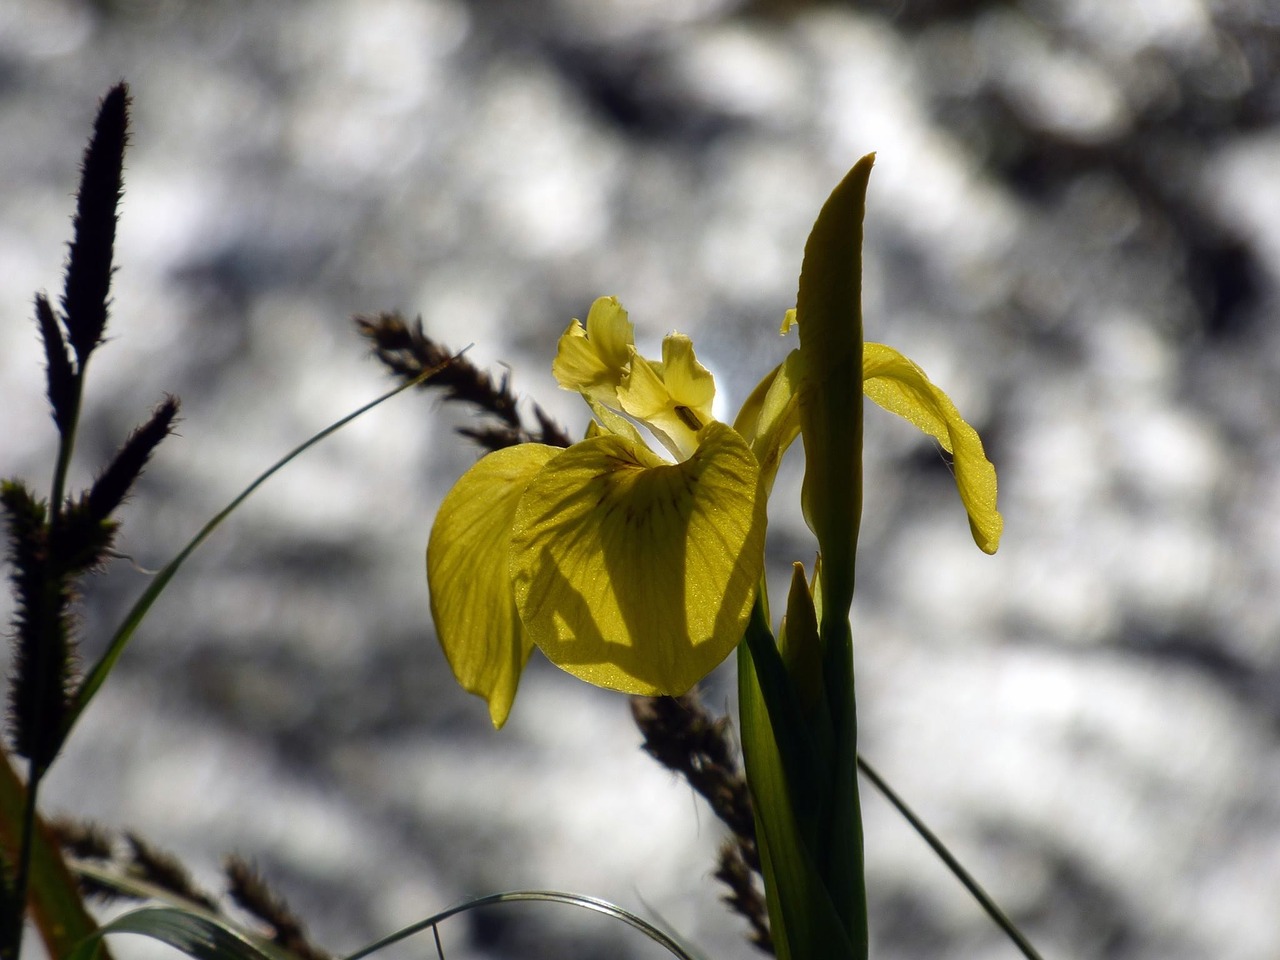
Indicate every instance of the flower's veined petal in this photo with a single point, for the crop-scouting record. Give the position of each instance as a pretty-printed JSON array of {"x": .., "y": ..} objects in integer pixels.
[
  {"x": 901, "y": 387},
  {"x": 594, "y": 360},
  {"x": 645, "y": 397},
  {"x": 467, "y": 572},
  {"x": 639, "y": 575},
  {"x": 789, "y": 320},
  {"x": 770, "y": 417}
]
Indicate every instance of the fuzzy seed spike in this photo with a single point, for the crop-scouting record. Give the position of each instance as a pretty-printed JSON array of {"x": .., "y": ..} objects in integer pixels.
[
  {"x": 43, "y": 659},
  {"x": 114, "y": 483},
  {"x": 89, "y": 264},
  {"x": 60, "y": 376}
]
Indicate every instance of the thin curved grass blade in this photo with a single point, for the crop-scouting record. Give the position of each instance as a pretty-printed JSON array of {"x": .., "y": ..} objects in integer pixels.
[
  {"x": 664, "y": 940},
  {"x": 198, "y": 935},
  {"x": 98, "y": 675},
  {"x": 975, "y": 889}
]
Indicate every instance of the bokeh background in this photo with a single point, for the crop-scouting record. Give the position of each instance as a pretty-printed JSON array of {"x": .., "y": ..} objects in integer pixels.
[{"x": 1073, "y": 226}]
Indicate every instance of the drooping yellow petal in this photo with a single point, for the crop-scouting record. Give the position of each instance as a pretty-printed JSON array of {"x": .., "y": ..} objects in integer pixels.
[
  {"x": 635, "y": 574},
  {"x": 471, "y": 600},
  {"x": 596, "y": 359},
  {"x": 672, "y": 398},
  {"x": 901, "y": 387}
]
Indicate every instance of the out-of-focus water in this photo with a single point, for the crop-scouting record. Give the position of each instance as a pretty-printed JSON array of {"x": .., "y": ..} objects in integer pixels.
[{"x": 1072, "y": 227}]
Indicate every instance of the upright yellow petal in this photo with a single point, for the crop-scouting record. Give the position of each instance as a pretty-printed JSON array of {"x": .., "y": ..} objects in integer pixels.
[
  {"x": 691, "y": 385},
  {"x": 672, "y": 398},
  {"x": 471, "y": 600},
  {"x": 635, "y": 574},
  {"x": 901, "y": 387},
  {"x": 770, "y": 417},
  {"x": 594, "y": 360},
  {"x": 612, "y": 333}
]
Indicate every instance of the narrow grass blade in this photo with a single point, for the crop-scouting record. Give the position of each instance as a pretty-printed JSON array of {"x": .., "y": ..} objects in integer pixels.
[
  {"x": 198, "y": 935},
  {"x": 129, "y": 626},
  {"x": 984, "y": 899},
  {"x": 659, "y": 937}
]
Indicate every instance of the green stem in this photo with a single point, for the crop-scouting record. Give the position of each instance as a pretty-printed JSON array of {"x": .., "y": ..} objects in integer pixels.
[
  {"x": 48, "y": 627},
  {"x": 984, "y": 899}
]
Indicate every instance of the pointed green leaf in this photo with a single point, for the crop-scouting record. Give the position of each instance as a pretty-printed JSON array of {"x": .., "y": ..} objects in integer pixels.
[
  {"x": 829, "y": 312},
  {"x": 799, "y": 644},
  {"x": 636, "y": 574},
  {"x": 829, "y": 315},
  {"x": 471, "y": 600}
]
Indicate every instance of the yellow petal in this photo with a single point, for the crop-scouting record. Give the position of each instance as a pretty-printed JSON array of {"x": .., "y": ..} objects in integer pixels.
[
  {"x": 898, "y": 385},
  {"x": 607, "y": 421},
  {"x": 639, "y": 575},
  {"x": 770, "y": 417},
  {"x": 672, "y": 398},
  {"x": 789, "y": 320},
  {"x": 594, "y": 360},
  {"x": 611, "y": 332},
  {"x": 471, "y": 600},
  {"x": 689, "y": 382}
]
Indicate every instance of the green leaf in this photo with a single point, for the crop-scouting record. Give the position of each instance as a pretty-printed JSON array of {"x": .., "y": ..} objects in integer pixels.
[
  {"x": 829, "y": 315},
  {"x": 800, "y": 646},
  {"x": 198, "y": 935},
  {"x": 829, "y": 311},
  {"x": 781, "y": 766},
  {"x": 53, "y": 894},
  {"x": 636, "y": 574}
]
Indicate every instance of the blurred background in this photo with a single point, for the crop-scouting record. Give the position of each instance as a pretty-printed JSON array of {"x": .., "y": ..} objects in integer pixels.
[{"x": 1073, "y": 226}]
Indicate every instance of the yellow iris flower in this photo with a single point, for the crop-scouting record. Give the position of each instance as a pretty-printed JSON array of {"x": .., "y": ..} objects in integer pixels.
[{"x": 629, "y": 571}]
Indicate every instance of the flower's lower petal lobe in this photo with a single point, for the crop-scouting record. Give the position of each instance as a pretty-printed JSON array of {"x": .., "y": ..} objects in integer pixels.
[
  {"x": 471, "y": 600},
  {"x": 635, "y": 574}
]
